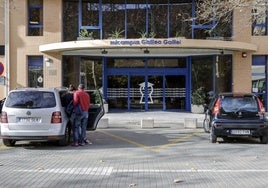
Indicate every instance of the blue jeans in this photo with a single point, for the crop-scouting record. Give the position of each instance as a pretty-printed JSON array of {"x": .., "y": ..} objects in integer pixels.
[{"x": 80, "y": 127}]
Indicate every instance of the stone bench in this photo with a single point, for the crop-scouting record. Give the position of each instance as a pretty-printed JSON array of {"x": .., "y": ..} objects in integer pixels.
[
  {"x": 147, "y": 123},
  {"x": 190, "y": 123},
  {"x": 103, "y": 123}
]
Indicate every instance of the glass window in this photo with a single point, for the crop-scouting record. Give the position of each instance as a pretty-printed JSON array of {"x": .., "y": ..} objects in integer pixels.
[
  {"x": 258, "y": 74},
  {"x": 258, "y": 77},
  {"x": 202, "y": 73},
  {"x": 179, "y": 26},
  {"x": 209, "y": 25},
  {"x": 90, "y": 20},
  {"x": 91, "y": 73},
  {"x": 125, "y": 63},
  {"x": 157, "y": 22},
  {"x": 35, "y": 71},
  {"x": 31, "y": 99},
  {"x": 87, "y": 71},
  {"x": 231, "y": 104},
  {"x": 35, "y": 17},
  {"x": 157, "y": 19},
  {"x": 259, "y": 19},
  {"x": 136, "y": 20},
  {"x": 113, "y": 20},
  {"x": 70, "y": 20},
  {"x": 90, "y": 14},
  {"x": 168, "y": 63}
]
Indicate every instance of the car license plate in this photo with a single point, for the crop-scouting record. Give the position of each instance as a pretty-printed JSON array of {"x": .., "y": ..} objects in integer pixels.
[
  {"x": 30, "y": 119},
  {"x": 240, "y": 132}
]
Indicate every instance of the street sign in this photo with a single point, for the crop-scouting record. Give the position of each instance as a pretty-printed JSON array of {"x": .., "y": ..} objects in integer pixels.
[{"x": 1, "y": 68}]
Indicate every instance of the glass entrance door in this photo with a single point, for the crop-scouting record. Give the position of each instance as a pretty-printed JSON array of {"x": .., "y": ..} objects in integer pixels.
[
  {"x": 164, "y": 92},
  {"x": 175, "y": 92},
  {"x": 155, "y": 92},
  {"x": 137, "y": 89},
  {"x": 147, "y": 84},
  {"x": 147, "y": 92}
]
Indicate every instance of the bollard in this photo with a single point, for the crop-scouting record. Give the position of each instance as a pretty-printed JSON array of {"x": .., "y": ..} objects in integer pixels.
[
  {"x": 190, "y": 123},
  {"x": 103, "y": 123},
  {"x": 147, "y": 123}
]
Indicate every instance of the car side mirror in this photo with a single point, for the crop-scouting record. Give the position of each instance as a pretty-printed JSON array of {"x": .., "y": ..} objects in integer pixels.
[{"x": 205, "y": 106}]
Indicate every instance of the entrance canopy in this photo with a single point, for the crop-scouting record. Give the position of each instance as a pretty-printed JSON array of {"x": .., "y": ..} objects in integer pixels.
[{"x": 170, "y": 47}]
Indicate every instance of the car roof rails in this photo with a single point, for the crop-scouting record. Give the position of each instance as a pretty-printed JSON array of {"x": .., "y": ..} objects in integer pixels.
[{"x": 61, "y": 88}]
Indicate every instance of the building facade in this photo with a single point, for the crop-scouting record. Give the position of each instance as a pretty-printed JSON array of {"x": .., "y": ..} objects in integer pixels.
[{"x": 142, "y": 55}]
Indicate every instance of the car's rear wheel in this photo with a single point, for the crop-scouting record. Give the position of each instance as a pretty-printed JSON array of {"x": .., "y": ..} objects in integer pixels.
[
  {"x": 264, "y": 139},
  {"x": 9, "y": 142},
  {"x": 213, "y": 137},
  {"x": 206, "y": 125},
  {"x": 67, "y": 137}
]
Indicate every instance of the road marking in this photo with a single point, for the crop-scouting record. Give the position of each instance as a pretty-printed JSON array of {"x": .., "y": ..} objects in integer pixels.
[
  {"x": 177, "y": 140},
  {"x": 101, "y": 171},
  {"x": 2, "y": 147},
  {"x": 154, "y": 149},
  {"x": 107, "y": 171},
  {"x": 126, "y": 140},
  {"x": 187, "y": 171}
]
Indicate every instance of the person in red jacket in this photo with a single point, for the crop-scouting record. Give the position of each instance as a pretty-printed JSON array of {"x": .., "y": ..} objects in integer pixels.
[{"x": 81, "y": 104}]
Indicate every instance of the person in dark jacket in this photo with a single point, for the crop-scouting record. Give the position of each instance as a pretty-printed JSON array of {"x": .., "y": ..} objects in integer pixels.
[{"x": 68, "y": 100}]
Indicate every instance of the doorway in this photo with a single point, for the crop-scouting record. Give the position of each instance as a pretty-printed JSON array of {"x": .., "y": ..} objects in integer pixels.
[
  {"x": 147, "y": 92},
  {"x": 147, "y": 83}
]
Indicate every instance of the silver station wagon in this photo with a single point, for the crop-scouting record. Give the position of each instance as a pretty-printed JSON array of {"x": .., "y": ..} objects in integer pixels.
[{"x": 39, "y": 114}]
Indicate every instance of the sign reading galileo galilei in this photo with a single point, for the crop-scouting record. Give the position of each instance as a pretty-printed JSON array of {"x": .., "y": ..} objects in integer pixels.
[{"x": 147, "y": 41}]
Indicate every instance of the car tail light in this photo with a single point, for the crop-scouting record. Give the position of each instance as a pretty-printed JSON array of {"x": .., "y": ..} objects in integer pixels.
[
  {"x": 262, "y": 110},
  {"x": 4, "y": 117},
  {"x": 56, "y": 117},
  {"x": 217, "y": 125},
  {"x": 216, "y": 108}
]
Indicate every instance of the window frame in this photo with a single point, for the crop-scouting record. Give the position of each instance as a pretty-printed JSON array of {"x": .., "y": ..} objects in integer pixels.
[{"x": 35, "y": 26}]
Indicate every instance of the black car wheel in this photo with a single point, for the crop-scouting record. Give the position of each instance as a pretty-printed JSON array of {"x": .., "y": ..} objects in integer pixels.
[
  {"x": 9, "y": 142},
  {"x": 206, "y": 125},
  {"x": 264, "y": 139},
  {"x": 213, "y": 137},
  {"x": 67, "y": 137}
]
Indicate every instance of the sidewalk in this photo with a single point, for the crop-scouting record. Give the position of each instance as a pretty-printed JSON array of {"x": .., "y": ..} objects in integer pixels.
[
  {"x": 155, "y": 119},
  {"x": 159, "y": 118}
]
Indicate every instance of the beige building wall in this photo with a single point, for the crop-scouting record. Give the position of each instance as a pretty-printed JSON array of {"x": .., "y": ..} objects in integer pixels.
[
  {"x": 2, "y": 22},
  {"x": 242, "y": 66},
  {"x": 22, "y": 46},
  {"x": 262, "y": 43}
]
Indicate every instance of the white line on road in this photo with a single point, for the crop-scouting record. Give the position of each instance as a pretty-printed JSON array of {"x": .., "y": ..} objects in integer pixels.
[
  {"x": 102, "y": 171},
  {"x": 106, "y": 171}
]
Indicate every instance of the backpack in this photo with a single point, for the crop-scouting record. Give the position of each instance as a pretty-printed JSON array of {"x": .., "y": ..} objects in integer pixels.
[{"x": 69, "y": 108}]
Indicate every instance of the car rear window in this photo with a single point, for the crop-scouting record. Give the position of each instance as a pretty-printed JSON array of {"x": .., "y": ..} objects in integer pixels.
[
  {"x": 238, "y": 103},
  {"x": 243, "y": 106},
  {"x": 31, "y": 99}
]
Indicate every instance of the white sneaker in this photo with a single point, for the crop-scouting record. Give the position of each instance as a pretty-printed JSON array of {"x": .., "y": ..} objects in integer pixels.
[{"x": 88, "y": 141}]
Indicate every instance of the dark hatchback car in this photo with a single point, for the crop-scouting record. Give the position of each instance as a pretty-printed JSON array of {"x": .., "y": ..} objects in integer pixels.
[{"x": 235, "y": 115}]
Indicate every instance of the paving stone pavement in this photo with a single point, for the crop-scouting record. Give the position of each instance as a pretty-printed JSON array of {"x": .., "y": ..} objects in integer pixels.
[
  {"x": 126, "y": 155},
  {"x": 160, "y": 119}
]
